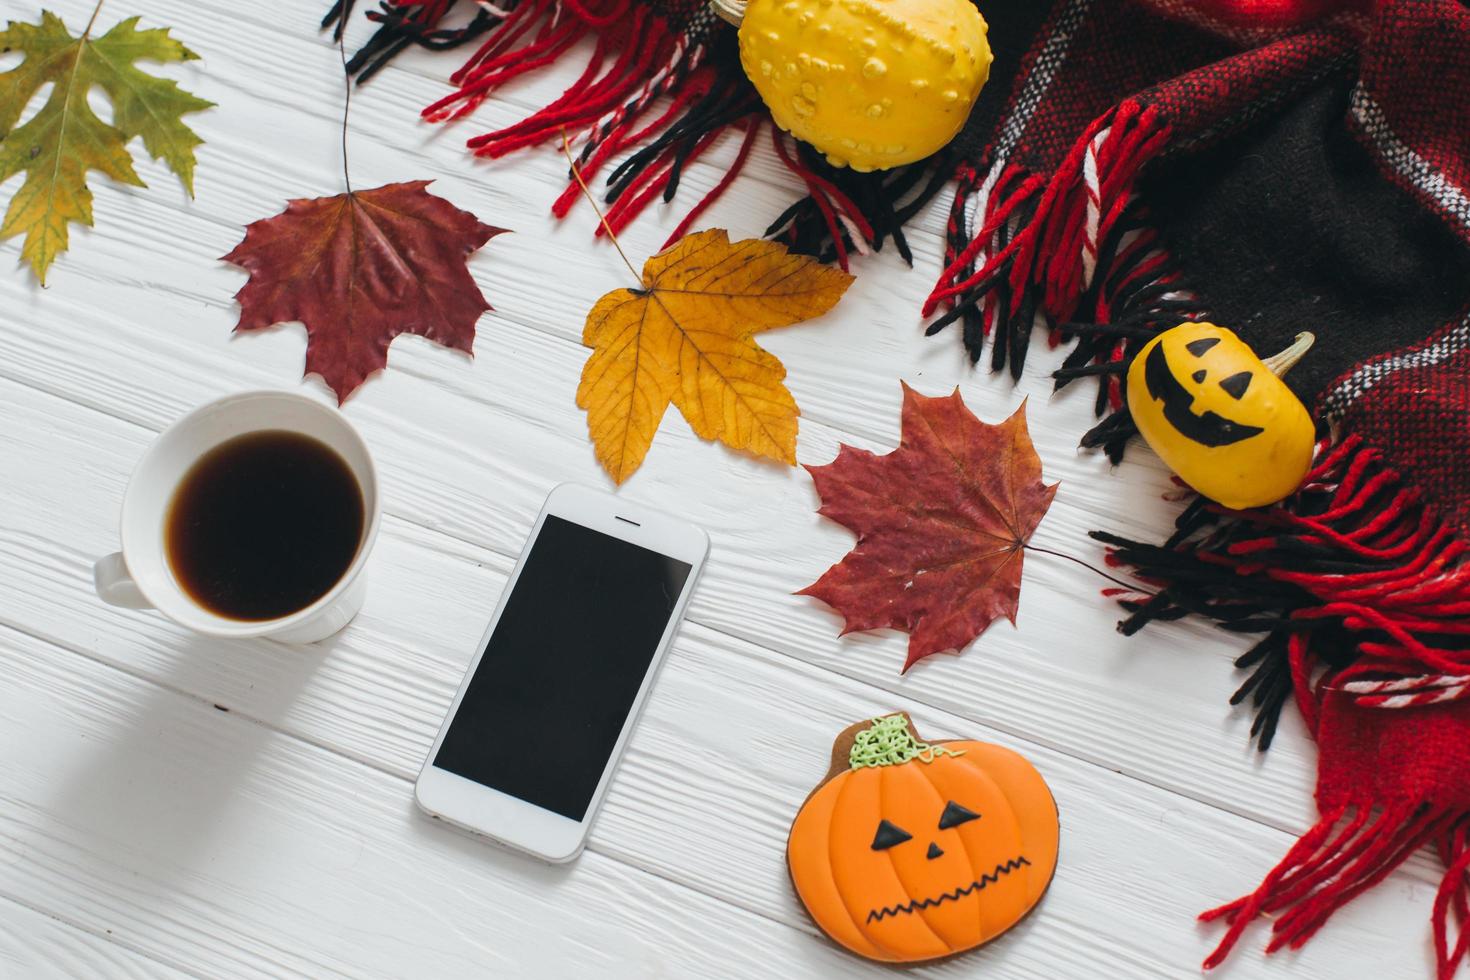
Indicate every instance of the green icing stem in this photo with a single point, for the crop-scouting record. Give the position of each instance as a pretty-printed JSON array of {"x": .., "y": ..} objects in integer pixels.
[{"x": 888, "y": 742}]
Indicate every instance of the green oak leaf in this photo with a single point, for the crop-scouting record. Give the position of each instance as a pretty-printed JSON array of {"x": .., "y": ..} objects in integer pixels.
[{"x": 58, "y": 145}]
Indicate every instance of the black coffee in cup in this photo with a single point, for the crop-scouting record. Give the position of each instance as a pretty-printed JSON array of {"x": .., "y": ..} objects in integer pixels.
[{"x": 264, "y": 525}]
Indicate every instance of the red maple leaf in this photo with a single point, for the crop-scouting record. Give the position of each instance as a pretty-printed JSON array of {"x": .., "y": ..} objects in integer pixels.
[
  {"x": 942, "y": 524},
  {"x": 360, "y": 268}
]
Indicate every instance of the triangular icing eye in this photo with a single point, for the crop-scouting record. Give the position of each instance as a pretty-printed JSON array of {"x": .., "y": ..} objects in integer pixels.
[
  {"x": 1198, "y": 347},
  {"x": 1236, "y": 384},
  {"x": 954, "y": 815},
  {"x": 888, "y": 835}
]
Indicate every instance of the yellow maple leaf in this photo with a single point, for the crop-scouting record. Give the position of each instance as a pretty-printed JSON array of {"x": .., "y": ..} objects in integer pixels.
[
  {"x": 685, "y": 337},
  {"x": 64, "y": 139}
]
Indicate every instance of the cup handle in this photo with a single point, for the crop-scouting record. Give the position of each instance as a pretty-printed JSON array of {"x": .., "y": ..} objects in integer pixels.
[{"x": 115, "y": 586}]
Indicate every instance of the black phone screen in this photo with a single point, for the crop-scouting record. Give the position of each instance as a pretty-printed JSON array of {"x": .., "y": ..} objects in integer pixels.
[{"x": 563, "y": 665}]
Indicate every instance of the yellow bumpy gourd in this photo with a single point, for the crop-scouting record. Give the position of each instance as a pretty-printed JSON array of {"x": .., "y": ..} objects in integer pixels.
[
  {"x": 1220, "y": 417},
  {"x": 872, "y": 84}
]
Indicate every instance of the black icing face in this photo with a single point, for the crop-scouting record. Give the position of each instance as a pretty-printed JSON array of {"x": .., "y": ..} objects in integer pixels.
[
  {"x": 1206, "y": 428},
  {"x": 954, "y": 815},
  {"x": 890, "y": 834}
]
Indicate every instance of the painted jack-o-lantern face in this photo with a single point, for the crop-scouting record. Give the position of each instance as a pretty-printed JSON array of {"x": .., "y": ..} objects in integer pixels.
[
  {"x": 910, "y": 851},
  {"x": 1219, "y": 416}
]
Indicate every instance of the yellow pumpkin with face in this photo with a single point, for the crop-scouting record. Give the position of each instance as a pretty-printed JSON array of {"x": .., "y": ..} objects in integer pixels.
[
  {"x": 1221, "y": 417},
  {"x": 911, "y": 852}
]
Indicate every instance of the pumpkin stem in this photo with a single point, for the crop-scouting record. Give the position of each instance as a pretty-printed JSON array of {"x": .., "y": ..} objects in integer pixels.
[
  {"x": 889, "y": 741},
  {"x": 1286, "y": 360},
  {"x": 730, "y": 11}
]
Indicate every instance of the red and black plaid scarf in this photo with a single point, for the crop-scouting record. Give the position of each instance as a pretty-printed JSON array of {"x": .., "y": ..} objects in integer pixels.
[
  {"x": 1273, "y": 165},
  {"x": 1182, "y": 164}
]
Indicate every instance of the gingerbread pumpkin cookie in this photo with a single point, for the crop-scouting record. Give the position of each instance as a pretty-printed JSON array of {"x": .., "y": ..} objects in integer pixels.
[{"x": 909, "y": 851}]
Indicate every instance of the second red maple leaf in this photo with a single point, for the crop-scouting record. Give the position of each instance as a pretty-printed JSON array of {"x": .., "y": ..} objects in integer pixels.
[{"x": 942, "y": 524}]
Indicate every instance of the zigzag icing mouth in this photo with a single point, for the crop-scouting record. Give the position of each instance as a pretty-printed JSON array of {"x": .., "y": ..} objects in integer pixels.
[{"x": 877, "y": 915}]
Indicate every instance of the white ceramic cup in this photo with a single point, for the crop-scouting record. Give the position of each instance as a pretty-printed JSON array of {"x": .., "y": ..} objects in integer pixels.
[{"x": 139, "y": 576}]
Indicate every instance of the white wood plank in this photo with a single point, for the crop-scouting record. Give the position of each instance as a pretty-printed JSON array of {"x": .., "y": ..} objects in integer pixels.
[
  {"x": 243, "y": 852},
  {"x": 731, "y": 742},
  {"x": 473, "y": 449},
  {"x": 42, "y": 947}
]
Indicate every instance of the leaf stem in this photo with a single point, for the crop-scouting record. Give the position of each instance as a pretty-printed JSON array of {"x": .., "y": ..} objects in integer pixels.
[
  {"x": 566, "y": 148},
  {"x": 346, "y": 99},
  {"x": 93, "y": 19},
  {"x": 1092, "y": 568}
]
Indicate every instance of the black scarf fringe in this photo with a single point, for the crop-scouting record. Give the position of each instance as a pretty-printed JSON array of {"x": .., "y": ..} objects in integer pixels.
[
  {"x": 398, "y": 28},
  {"x": 1320, "y": 580},
  {"x": 886, "y": 201}
]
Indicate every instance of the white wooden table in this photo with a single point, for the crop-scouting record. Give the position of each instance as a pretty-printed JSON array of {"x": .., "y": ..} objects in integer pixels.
[{"x": 173, "y": 806}]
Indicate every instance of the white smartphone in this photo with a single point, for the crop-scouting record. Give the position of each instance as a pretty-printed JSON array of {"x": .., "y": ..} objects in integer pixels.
[{"x": 541, "y": 719}]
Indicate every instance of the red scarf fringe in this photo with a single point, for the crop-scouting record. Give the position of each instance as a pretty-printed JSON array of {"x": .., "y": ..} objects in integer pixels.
[
  {"x": 1057, "y": 224},
  {"x": 1372, "y": 589},
  {"x": 1065, "y": 246},
  {"x": 1329, "y": 867},
  {"x": 638, "y": 59}
]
